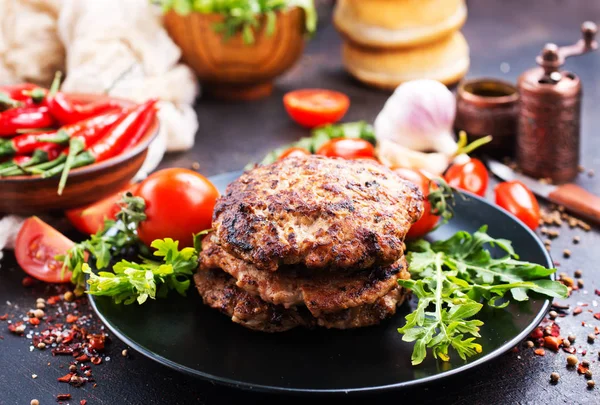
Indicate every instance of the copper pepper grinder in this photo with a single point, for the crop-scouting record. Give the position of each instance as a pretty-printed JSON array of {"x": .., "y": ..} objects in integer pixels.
[{"x": 549, "y": 116}]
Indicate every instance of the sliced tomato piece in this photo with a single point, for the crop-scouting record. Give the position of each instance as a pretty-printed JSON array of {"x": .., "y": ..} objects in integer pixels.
[
  {"x": 90, "y": 219},
  {"x": 428, "y": 221},
  {"x": 294, "y": 152},
  {"x": 37, "y": 245},
  {"x": 315, "y": 107},
  {"x": 348, "y": 148}
]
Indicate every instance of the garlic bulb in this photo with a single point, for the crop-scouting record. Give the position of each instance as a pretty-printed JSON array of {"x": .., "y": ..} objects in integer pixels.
[
  {"x": 394, "y": 155},
  {"x": 419, "y": 116}
]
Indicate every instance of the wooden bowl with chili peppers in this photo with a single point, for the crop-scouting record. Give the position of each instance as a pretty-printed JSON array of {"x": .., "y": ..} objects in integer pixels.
[{"x": 104, "y": 140}]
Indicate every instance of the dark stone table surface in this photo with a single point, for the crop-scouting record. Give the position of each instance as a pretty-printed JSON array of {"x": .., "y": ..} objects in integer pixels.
[{"x": 504, "y": 36}]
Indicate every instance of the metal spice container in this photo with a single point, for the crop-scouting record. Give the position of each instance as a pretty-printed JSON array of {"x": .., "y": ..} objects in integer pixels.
[{"x": 548, "y": 135}]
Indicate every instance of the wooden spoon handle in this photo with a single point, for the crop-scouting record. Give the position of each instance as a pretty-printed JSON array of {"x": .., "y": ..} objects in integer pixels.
[{"x": 578, "y": 201}]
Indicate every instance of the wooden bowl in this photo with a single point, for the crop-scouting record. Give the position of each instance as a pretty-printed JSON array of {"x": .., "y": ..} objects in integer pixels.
[
  {"x": 229, "y": 68},
  {"x": 27, "y": 195}
]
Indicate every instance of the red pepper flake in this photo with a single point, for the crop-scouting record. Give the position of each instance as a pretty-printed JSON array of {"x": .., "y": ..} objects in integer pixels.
[
  {"x": 597, "y": 292},
  {"x": 597, "y": 316},
  {"x": 83, "y": 402},
  {"x": 96, "y": 360},
  {"x": 583, "y": 352},
  {"x": 63, "y": 397},
  {"x": 83, "y": 358},
  {"x": 72, "y": 318},
  {"x": 555, "y": 330},
  {"x": 65, "y": 378},
  {"x": 34, "y": 321},
  {"x": 577, "y": 311},
  {"x": 552, "y": 342},
  {"x": 62, "y": 350},
  {"x": 537, "y": 333},
  {"x": 97, "y": 342},
  {"x": 596, "y": 330},
  {"x": 27, "y": 282},
  {"x": 570, "y": 350},
  {"x": 581, "y": 369},
  {"x": 540, "y": 352},
  {"x": 53, "y": 300},
  {"x": 4, "y": 317}
]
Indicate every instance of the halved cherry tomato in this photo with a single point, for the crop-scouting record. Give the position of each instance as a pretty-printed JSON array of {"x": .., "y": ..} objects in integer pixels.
[
  {"x": 517, "y": 199},
  {"x": 315, "y": 107},
  {"x": 347, "y": 148},
  {"x": 470, "y": 176},
  {"x": 90, "y": 219},
  {"x": 428, "y": 221},
  {"x": 294, "y": 152},
  {"x": 37, "y": 245},
  {"x": 179, "y": 203}
]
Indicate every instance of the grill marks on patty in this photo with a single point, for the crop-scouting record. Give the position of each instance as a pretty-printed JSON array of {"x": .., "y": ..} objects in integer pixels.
[{"x": 317, "y": 212}]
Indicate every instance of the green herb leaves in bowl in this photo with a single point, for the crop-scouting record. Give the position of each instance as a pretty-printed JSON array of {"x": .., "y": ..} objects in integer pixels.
[{"x": 243, "y": 15}]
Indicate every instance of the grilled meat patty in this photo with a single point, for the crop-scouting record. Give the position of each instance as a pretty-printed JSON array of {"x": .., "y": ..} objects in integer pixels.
[
  {"x": 218, "y": 290},
  {"x": 318, "y": 212},
  {"x": 320, "y": 291}
]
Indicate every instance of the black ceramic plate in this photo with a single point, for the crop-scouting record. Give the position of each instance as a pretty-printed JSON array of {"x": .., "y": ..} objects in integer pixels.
[{"x": 184, "y": 334}]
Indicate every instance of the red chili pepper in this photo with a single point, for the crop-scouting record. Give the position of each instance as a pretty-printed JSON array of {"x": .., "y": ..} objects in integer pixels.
[
  {"x": 90, "y": 128},
  {"x": 45, "y": 153},
  {"x": 67, "y": 112},
  {"x": 24, "y": 118},
  {"x": 143, "y": 126},
  {"x": 18, "y": 91},
  {"x": 113, "y": 143}
]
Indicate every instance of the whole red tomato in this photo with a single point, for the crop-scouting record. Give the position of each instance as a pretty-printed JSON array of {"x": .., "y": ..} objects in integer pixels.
[
  {"x": 517, "y": 199},
  {"x": 37, "y": 245},
  {"x": 315, "y": 107},
  {"x": 428, "y": 221},
  {"x": 347, "y": 148},
  {"x": 179, "y": 203},
  {"x": 294, "y": 152},
  {"x": 470, "y": 176}
]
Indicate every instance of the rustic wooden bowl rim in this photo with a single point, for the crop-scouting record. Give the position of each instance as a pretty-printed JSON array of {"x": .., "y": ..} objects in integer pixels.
[{"x": 116, "y": 160}]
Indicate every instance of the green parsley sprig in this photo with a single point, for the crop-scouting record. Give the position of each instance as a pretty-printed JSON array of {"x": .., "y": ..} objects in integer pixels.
[
  {"x": 109, "y": 242},
  {"x": 452, "y": 277},
  {"x": 130, "y": 282}
]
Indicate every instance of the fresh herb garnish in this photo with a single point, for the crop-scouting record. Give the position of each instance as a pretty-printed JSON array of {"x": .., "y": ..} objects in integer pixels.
[
  {"x": 321, "y": 135},
  {"x": 109, "y": 242},
  {"x": 132, "y": 282},
  {"x": 243, "y": 15},
  {"x": 451, "y": 277}
]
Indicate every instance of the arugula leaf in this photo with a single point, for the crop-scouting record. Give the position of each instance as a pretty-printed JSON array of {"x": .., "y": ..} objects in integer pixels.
[
  {"x": 451, "y": 277},
  {"x": 133, "y": 282}
]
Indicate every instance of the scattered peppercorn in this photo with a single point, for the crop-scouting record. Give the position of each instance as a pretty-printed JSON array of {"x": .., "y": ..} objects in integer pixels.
[
  {"x": 571, "y": 338},
  {"x": 553, "y": 314},
  {"x": 72, "y": 368},
  {"x": 124, "y": 352},
  {"x": 591, "y": 338},
  {"x": 591, "y": 173},
  {"x": 585, "y": 364},
  {"x": 34, "y": 402},
  {"x": 69, "y": 296},
  {"x": 578, "y": 273},
  {"x": 572, "y": 360},
  {"x": 566, "y": 343},
  {"x": 576, "y": 239},
  {"x": 580, "y": 283},
  {"x": 588, "y": 374},
  {"x": 40, "y": 305},
  {"x": 591, "y": 384},
  {"x": 195, "y": 166},
  {"x": 554, "y": 377},
  {"x": 41, "y": 345},
  {"x": 566, "y": 253},
  {"x": 38, "y": 313}
]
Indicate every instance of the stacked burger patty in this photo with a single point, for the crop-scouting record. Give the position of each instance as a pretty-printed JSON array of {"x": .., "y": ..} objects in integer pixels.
[{"x": 309, "y": 241}]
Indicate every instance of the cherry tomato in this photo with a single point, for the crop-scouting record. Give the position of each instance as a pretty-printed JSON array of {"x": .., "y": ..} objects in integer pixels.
[
  {"x": 90, "y": 219},
  {"x": 471, "y": 176},
  {"x": 347, "y": 148},
  {"x": 428, "y": 221},
  {"x": 294, "y": 152},
  {"x": 315, "y": 107},
  {"x": 179, "y": 203},
  {"x": 517, "y": 199},
  {"x": 37, "y": 245}
]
